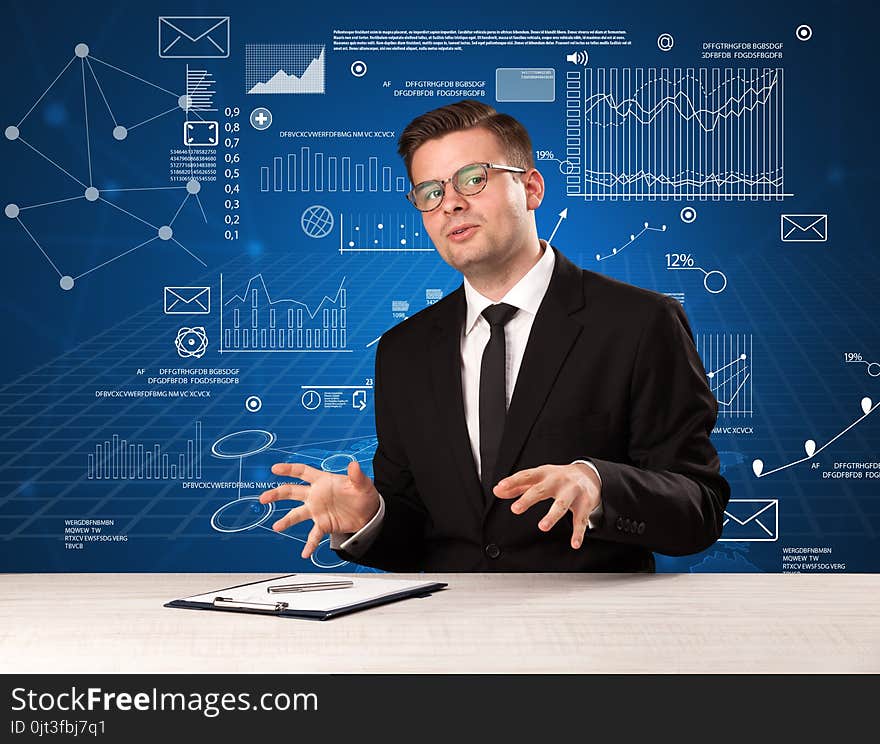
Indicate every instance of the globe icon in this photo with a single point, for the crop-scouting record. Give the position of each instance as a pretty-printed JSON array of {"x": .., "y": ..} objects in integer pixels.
[{"x": 317, "y": 221}]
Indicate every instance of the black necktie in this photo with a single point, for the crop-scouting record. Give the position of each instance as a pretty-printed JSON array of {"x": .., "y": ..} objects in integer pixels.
[{"x": 493, "y": 393}]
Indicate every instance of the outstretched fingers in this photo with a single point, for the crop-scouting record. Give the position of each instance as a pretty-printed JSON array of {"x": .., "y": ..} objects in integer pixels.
[
  {"x": 316, "y": 534},
  {"x": 285, "y": 491},
  {"x": 297, "y": 470}
]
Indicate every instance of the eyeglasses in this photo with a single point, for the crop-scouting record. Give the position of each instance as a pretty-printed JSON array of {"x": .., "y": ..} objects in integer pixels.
[{"x": 467, "y": 181}]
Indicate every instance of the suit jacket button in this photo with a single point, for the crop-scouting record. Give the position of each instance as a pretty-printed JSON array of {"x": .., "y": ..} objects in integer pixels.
[
  {"x": 620, "y": 523},
  {"x": 492, "y": 550},
  {"x": 641, "y": 528},
  {"x": 627, "y": 525}
]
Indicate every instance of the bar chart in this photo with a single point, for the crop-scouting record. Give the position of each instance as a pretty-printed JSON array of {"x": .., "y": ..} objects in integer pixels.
[
  {"x": 120, "y": 459},
  {"x": 308, "y": 171}
]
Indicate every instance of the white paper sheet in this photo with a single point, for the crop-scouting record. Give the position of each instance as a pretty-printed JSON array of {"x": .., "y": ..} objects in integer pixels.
[{"x": 322, "y": 601}]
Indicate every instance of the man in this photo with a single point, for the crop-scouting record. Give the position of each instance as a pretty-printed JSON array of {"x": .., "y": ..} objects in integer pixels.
[{"x": 534, "y": 384}]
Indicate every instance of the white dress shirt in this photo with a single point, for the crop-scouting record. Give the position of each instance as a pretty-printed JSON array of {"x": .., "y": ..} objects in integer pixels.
[{"x": 526, "y": 295}]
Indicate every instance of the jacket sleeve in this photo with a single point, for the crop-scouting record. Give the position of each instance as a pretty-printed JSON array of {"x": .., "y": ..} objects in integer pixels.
[
  {"x": 671, "y": 498},
  {"x": 399, "y": 544}
]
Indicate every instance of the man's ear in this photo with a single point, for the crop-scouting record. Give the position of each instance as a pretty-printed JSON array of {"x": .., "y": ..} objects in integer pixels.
[{"x": 534, "y": 185}]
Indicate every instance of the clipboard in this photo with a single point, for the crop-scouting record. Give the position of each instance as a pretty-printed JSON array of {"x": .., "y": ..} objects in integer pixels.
[{"x": 254, "y": 598}]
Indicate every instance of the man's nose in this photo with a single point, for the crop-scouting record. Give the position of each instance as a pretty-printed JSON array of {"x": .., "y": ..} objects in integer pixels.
[{"x": 452, "y": 200}]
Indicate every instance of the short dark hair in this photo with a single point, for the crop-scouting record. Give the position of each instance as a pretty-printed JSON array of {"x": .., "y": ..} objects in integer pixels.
[{"x": 461, "y": 116}]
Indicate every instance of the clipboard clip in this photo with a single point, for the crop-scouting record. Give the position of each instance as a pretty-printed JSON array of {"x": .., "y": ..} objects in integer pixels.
[{"x": 258, "y": 606}]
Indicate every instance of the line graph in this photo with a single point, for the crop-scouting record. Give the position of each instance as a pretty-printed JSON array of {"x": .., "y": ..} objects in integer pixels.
[
  {"x": 632, "y": 239},
  {"x": 259, "y": 323},
  {"x": 868, "y": 407},
  {"x": 644, "y": 133},
  {"x": 727, "y": 359}
]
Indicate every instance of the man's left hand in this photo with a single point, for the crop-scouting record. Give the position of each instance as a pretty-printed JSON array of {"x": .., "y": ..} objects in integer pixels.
[{"x": 574, "y": 488}]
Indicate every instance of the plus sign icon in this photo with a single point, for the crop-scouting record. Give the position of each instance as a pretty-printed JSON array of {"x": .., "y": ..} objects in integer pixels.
[{"x": 261, "y": 118}]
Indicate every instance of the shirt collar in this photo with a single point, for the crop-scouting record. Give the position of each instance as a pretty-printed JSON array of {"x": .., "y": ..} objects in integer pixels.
[{"x": 526, "y": 294}]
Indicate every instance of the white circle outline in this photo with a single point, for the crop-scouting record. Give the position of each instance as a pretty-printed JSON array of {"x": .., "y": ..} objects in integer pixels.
[
  {"x": 262, "y": 519},
  {"x": 324, "y": 565},
  {"x": 351, "y": 458},
  {"x": 706, "y": 281},
  {"x": 266, "y": 446}
]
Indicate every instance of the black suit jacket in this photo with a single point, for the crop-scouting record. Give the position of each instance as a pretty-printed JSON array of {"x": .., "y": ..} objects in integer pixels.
[{"x": 610, "y": 374}]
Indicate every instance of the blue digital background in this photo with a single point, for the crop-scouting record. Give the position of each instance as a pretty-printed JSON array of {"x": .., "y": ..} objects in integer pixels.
[{"x": 803, "y": 306}]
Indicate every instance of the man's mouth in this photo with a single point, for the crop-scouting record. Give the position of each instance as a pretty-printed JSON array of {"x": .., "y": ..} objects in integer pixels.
[{"x": 462, "y": 231}]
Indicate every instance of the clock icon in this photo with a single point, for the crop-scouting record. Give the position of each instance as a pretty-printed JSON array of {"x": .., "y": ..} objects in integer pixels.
[{"x": 311, "y": 399}]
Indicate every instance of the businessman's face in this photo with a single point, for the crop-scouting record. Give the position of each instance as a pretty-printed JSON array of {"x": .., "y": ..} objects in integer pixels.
[{"x": 483, "y": 233}]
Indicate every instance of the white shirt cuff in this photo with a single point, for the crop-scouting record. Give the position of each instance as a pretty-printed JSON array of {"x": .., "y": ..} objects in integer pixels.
[
  {"x": 358, "y": 543},
  {"x": 590, "y": 465}
]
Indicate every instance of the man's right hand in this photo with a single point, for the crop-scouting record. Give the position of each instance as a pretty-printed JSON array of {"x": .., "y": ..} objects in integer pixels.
[{"x": 336, "y": 503}]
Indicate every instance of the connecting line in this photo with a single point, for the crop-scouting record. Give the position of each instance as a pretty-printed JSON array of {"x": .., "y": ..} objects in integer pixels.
[
  {"x": 827, "y": 444},
  {"x": 145, "y": 188},
  {"x": 189, "y": 154},
  {"x": 24, "y": 141},
  {"x": 735, "y": 393},
  {"x": 118, "y": 69},
  {"x": 357, "y": 452},
  {"x": 46, "y": 204},
  {"x": 315, "y": 444},
  {"x": 95, "y": 78},
  {"x": 178, "y": 209},
  {"x": 51, "y": 262},
  {"x": 127, "y": 212},
  {"x": 688, "y": 268},
  {"x": 190, "y": 252},
  {"x": 732, "y": 377},
  {"x": 86, "y": 110},
  {"x": 282, "y": 534},
  {"x": 721, "y": 369},
  {"x": 147, "y": 121},
  {"x": 46, "y": 91},
  {"x": 115, "y": 257},
  {"x": 199, "y": 202}
]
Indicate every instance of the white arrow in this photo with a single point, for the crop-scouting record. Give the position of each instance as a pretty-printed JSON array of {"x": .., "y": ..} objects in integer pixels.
[{"x": 562, "y": 215}]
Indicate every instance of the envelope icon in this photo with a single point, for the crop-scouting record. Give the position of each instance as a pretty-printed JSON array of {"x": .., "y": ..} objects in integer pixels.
[
  {"x": 193, "y": 37},
  {"x": 751, "y": 520},
  {"x": 187, "y": 300},
  {"x": 803, "y": 228}
]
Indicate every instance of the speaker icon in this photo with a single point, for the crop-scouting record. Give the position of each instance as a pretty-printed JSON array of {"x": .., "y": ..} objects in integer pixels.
[{"x": 578, "y": 58}]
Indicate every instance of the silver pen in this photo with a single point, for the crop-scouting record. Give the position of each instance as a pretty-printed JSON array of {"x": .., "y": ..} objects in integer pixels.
[{"x": 313, "y": 586}]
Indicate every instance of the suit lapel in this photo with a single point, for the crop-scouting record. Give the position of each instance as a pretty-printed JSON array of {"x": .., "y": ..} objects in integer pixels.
[
  {"x": 552, "y": 336},
  {"x": 445, "y": 360}
]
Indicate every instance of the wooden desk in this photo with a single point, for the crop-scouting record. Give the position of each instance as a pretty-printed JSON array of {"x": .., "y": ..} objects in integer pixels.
[{"x": 483, "y": 623}]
